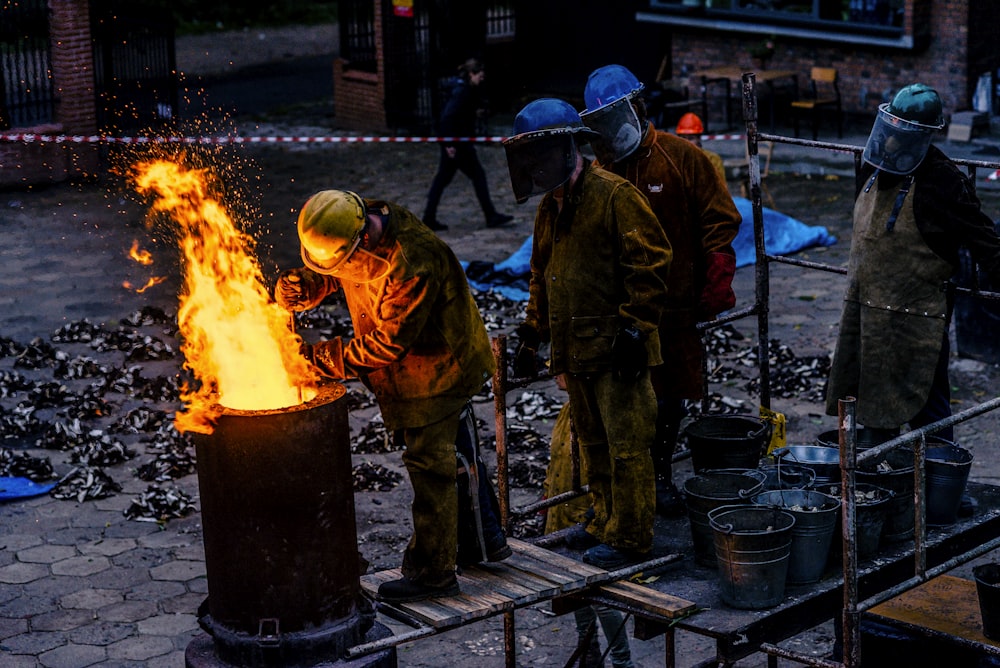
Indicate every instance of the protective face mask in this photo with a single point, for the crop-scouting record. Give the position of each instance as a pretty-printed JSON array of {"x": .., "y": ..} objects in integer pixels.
[{"x": 363, "y": 267}]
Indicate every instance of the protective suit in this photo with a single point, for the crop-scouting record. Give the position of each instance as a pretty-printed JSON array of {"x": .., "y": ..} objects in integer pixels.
[{"x": 419, "y": 344}]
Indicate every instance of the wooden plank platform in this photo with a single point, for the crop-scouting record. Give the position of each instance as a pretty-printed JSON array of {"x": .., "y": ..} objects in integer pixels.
[
  {"x": 529, "y": 575},
  {"x": 945, "y": 604}
]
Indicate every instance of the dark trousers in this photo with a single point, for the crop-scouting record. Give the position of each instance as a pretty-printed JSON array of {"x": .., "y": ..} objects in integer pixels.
[
  {"x": 467, "y": 162},
  {"x": 938, "y": 405}
]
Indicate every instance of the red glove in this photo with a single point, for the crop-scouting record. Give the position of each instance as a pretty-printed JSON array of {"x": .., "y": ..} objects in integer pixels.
[{"x": 717, "y": 295}]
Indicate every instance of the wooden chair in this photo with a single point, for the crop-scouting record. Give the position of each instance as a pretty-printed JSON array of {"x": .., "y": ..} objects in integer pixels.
[{"x": 823, "y": 97}]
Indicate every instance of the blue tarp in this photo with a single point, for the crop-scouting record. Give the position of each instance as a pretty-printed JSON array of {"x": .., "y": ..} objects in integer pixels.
[
  {"x": 12, "y": 488},
  {"x": 782, "y": 235}
]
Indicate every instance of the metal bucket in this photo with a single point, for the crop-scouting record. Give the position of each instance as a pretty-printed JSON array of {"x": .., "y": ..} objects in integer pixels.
[
  {"x": 709, "y": 490},
  {"x": 871, "y": 506},
  {"x": 825, "y": 462},
  {"x": 787, "y": 476},
  {"x": 816, "y": 517},
  {"x": 947, "y": 472},
  {"x": 987, "y": 577},
  {"x": 727, "y": 441},
  {"x": 752, "y": 546},
  {"x": 894, "y": 471},
  {"x": 865, "y": 438}
]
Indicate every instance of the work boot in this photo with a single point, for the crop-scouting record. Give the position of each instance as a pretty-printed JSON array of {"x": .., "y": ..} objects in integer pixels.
[
  {"x": 609, "y": 558},
  {"x": 498, "y": 219},
  {"x": 406, "y": 589},
  {"x": 578, "y": 538},
  {"x": 669, "y": 502},
  {"x": 592, "y": 655}
]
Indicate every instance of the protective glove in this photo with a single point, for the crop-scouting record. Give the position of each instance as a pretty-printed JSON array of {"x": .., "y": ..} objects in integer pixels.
[
  {"x": 300, "y": 289},
  {"x": 327, "y": 357},
  {"x": 525, "y": 365},
  {"x": 717, "y": 295},
  {"x": 628, "y": 354}
]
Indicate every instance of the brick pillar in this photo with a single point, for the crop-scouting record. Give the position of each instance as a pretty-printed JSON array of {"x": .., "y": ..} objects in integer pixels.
[{"x": 359, "y": 97}]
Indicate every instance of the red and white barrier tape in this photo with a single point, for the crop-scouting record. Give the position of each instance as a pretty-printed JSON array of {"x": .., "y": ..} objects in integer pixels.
[{"x": 30, "y": 137}]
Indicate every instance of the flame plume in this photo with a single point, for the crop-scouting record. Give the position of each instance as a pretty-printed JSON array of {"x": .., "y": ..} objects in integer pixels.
[{"x": 238, "y": 343}]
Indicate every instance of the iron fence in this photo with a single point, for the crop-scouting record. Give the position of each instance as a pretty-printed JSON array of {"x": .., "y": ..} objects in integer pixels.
[{"x": 26, "y": 89}]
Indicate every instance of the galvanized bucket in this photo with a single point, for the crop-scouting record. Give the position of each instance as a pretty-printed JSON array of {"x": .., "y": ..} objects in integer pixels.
[
  {"x": 708, "y": 491},
  {"x": 752, "y": 546},
  {"x": 816, "y": 517}
]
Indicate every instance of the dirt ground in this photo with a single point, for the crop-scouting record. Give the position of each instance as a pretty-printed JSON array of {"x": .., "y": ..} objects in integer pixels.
[{"x": 64, "y": 259}]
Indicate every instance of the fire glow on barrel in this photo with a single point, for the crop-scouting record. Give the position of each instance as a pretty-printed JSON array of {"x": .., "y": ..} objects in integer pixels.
[{"x": 239, "y": 345}]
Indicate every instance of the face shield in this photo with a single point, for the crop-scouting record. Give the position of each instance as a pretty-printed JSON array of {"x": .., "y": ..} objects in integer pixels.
[
  {"x": 897, "y": 145},
  {"x": 346, "y": 261},
  {"x": 539, "y": 161},
  {"x": 619, "y": 127}
]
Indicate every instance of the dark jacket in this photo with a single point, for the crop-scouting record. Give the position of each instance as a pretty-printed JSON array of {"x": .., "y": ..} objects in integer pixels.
[
  {"x": 596, "y": 265},
  {"x": 419, "y": 340},
  {"x": 699, "y": 217}
]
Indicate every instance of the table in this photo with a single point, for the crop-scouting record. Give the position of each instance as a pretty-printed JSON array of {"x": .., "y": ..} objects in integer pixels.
[
  {"x": 726, "y": 75},
  {"x": 739, "y": 633}
]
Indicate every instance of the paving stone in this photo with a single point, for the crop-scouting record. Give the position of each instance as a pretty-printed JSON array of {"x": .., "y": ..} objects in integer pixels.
[
  {"x": 168, "y": 625},
  {"x": 19, "y": 573},
  {"x": 26, "y": 606},
  {"x": 101, "y": 633},
  {"x": 91, "y": 599},
  {"x": 164, "y": 539},
  {"x": 118, "y": 577},
  {"x": 140, "y": 647},
  {"x": 179, "y": 571},
  {"x": 22, "y": 661},
  {"x": 46, "y": 554},
  {"x": 62, "y": 620},
  {"x": 108, "y": 547},
  {"x": 199, "y": 586},
  {"x": 172, "y": 660},
  {"x": 156, "y": 591},
  {"x": 128, "y": 611},
  {"x": 188, "y": 603},
  {"x": 12, "y": 627},
  {"x": 19, "y": 541},
  {"x": 72, "y": 656},
  {"x": 81, "y": 566},
  {"x": 35, "y": 642}
]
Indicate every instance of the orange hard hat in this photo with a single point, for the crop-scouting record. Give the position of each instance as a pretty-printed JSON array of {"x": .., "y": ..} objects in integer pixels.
[{"x": 690, "y": 124}]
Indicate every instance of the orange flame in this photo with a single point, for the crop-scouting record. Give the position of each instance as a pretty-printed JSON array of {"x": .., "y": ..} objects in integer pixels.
[
  {"x": 143, "y": 257},
  {"x": 239, "y": 344}
]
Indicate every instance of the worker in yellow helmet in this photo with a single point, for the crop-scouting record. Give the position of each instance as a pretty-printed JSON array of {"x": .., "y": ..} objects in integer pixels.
[{"x": 421, "y": 347}]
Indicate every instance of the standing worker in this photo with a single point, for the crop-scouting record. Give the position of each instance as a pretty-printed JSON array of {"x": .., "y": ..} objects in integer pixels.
[
  {"x": 698, "y": 215},
  {"x": 597, "y": 261},
  {"x": 915, "y": 209},
  {"x": 458, "y": 119},
  {"x": 419, "y": 345},
  {"x": 690, "y": 128}
]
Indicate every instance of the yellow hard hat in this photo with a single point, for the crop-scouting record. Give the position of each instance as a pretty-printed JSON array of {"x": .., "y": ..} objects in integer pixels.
[{"x": 330, "y": 226}]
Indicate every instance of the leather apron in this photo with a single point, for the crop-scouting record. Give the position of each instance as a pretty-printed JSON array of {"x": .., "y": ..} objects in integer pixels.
[{"x": 895, "y": 314}]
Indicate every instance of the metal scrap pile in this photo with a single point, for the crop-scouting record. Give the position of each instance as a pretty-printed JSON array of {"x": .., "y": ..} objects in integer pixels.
[{"x": 82, "y": 408}]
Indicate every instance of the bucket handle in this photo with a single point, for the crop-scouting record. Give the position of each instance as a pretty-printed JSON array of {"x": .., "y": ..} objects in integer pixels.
[{"x": 724, "y": 528}]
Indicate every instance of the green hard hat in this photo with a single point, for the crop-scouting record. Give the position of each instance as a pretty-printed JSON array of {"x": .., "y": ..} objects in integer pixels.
[{"x": 918, "y": 103}]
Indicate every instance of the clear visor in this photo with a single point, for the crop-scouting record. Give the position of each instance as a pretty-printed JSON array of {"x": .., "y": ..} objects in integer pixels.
[
  {"x": 619, "y": 127},
  {"x": 322, "y": 257},
  {"x": 360, "y": 266},
  {"x": 896, "y": 145},
  {"x": 539, "y": 162}
]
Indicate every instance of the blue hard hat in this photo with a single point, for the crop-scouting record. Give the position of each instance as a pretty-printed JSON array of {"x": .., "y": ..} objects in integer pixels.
[
  {"x": 549, "y": 114},
  {"x": 608, "y": 84}
]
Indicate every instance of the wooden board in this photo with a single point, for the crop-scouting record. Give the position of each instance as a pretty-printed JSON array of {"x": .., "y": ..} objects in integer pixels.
[
  {"x": 650, "y": 600},
  {"x": 946, "y": 604},
  {"x": 530, "y": 575}
]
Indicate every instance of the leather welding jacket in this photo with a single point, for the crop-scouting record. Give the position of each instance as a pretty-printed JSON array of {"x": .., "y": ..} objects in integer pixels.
[
  {"x": 597, "y": 265},
  {"x": 897, "y": 306},
  {"x": 419, "y": 340},
  {"x": 699, "y": 217}
]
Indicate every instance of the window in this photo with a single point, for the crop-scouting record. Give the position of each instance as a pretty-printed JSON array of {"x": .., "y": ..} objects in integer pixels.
[{"x": 864, "y": 21}]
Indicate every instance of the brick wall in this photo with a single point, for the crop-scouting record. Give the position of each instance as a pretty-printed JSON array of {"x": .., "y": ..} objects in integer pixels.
[
  {"x": 867, "y": 76},
  {"x": 359, "y": 97},
  {"x": 26, "y": 164}
]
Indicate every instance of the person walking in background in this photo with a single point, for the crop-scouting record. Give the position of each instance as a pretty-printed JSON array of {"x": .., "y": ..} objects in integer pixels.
[
  {"x": 914, "y": 211},
  {"x": 598, "y": 259},
  {"x": 696, "y": 212},
  {"x": 463, "y": 107},
  {"x": 421, "y": 347}
]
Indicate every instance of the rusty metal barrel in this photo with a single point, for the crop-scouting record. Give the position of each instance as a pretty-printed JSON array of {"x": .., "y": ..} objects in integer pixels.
[{"x": 281, "y": 554}]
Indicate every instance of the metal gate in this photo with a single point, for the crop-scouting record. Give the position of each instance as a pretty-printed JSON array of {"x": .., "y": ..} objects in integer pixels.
[
  {"x": 26, "y": 96},
  {"x": 135, "y": 67}
]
